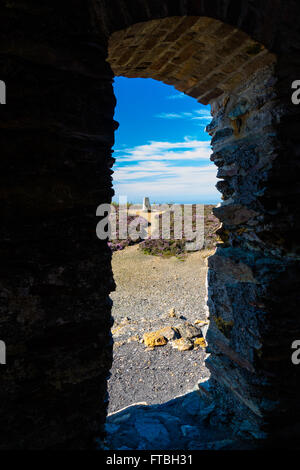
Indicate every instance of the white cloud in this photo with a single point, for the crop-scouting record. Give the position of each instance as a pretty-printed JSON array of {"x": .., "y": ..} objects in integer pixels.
[
  {"x": 169, "y": 116},
  {"x": 186, "y": 150},
  {"x": 180, "y": 184},
  {"x": 178, "y": 96},
  {"x": 202, "y": 114},
  {"x": 196, "y": 115},
  {"x": 154, "y": 172}
]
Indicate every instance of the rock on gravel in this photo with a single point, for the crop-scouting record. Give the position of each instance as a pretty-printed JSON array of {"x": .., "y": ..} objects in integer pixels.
[
  {"x": 182, "y": 344},
  {"x": 152, "y": 294}
]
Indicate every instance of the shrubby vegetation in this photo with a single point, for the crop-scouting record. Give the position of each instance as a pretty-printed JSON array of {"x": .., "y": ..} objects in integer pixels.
[{"x": 171, "y": 247}]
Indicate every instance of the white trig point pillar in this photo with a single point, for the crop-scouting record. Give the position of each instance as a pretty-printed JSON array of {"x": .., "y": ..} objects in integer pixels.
[
  {"x": 146, "y": 204},
  {"x": 2, "y": 92}
]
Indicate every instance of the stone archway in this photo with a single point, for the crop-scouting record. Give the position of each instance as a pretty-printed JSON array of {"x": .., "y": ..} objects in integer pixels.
[
  {"x": 200, "y": 56},
  {"x": 220, "y": 65},
  {"x": 57, "y": 133}
]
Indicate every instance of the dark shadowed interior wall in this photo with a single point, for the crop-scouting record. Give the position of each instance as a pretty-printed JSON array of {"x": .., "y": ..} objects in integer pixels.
[{"x": 58, "y": 60}]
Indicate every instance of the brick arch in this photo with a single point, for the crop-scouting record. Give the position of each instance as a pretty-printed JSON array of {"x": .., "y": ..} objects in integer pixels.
[
  {"x": 199, "y": 56},
  {"x": 219, "y": 64},
  {"x": 216, "y": 63}
]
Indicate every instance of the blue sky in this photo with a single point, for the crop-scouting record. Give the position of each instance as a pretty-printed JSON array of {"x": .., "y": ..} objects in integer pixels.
[{"x": 161, "y": 148}]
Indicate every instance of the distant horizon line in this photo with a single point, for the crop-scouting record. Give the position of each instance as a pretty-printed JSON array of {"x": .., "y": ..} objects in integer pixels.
[{"x": 171, "y": 202}]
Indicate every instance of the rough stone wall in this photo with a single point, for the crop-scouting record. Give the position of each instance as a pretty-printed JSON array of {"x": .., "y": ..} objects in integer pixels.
[
  {"x": 254, "y": 285},
  {"x": 56, "y": 137},
  {"x": 238, "y": 77},
  {"x": 251, "y": 259}
]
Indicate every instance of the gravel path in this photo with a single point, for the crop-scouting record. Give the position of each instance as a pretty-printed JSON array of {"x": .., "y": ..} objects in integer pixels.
[{"x": 147, "y": 288}]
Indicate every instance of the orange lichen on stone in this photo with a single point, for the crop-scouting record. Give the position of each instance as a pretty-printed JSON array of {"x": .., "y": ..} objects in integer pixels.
[
  {"x": 200, "y": 342},
  {"x": 200, "y": 322},
  {"x": 154, "y": 338}
]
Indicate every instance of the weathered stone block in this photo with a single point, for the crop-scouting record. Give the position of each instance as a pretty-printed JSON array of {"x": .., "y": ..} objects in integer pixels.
[{"x": 233, "y": 214}]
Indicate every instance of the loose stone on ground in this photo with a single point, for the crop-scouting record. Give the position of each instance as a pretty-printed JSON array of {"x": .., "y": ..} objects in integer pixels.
[{"x": 152, "y": 295}]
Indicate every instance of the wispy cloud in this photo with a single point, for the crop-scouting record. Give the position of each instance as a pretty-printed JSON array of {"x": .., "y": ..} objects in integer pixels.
[
  {"x": 161, "y": 169},
  {"x": 176, "y": 96},
  {"x": 196, "y": 115},
  {"x": 169, "y": 116},
  {"x": 202, "y": 114},
  {"x": 163, "y": 183},
  {"x": 153, "y": 151}
]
